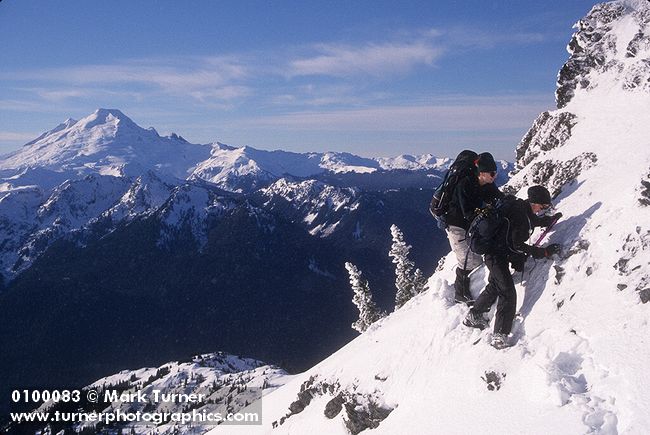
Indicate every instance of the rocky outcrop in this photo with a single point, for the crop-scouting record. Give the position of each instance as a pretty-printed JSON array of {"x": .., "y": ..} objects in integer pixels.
[
  {"x": 550, "y": 130},
  {"x": 361, "y": 410},
  {"x": 588, "y": 48},
  {"x": 596, "y": 48},
  {"x": 645, "y": 191},
  {"x": 553, "y": 174},
  {"x": 630, "y": 268}
]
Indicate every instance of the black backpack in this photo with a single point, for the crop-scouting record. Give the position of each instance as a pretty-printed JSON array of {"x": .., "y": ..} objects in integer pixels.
[
  {"x": 462, "y": 167},
  {"x": 489, "y": 231}
]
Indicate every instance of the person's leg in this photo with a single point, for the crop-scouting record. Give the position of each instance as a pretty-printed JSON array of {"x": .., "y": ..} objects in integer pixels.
[
  {"x": 507, "y": 295},
  {"x": 467, "y": 261},
  {"x": 489, "y": 295},
  {"x": 461, "y": 286}
]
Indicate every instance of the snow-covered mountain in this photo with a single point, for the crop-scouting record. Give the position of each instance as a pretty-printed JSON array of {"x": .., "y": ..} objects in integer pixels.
[
  {"x": 108, "y": 142},
  {"x": 578, "y": 363},
  {"x": 245, "y": 168},
  {"x": 106, "y": 169},
  {"x": 320, "y": 207},
  {"x": 225, "y": 383}
]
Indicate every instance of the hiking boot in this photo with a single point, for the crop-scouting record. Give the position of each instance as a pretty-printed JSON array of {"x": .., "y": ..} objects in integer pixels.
[
  {"x": 462, "y": 295},
  {"x": 464, "y": 299},
  {"x": 499, "y": 341},
  {"x": 475, "y": 320}
]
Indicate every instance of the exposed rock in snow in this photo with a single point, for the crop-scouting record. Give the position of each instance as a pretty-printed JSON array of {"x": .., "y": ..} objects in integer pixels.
[
  {"x": 549, "y": 131},
  {"x": 321, "y": 204},
  {"x": 611, "y": 41},
  {"x": 188, "y": 210}
]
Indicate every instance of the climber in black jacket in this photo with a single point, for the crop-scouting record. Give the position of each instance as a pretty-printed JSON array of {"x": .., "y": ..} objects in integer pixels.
[
  {"x": 470, "y": 194},
  {"x": 510, "y": 247}
]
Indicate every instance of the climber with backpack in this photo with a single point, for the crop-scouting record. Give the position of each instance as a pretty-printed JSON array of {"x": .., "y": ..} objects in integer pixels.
[
  {"x": 467, "y": 187},
  {"x": 501, "y": 233}
]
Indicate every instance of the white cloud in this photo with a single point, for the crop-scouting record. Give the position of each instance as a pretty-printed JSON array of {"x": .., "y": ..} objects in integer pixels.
[
  {"x": 371, "y": 59},
  {"x": 197, "y": 77},
  {"x": 453, "y": 114},
  {"x": 62, "y": 94},
  {"x": 476, "y": 38},
  {"x": 343, "y": 75},
  {"x": 223, "y": 93}
]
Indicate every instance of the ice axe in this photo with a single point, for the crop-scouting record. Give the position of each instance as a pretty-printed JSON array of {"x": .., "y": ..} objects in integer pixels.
[{"x": 546, "y": 231}]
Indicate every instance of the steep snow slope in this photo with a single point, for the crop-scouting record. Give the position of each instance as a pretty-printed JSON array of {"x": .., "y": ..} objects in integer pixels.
[{"x": 580, "y": 353}]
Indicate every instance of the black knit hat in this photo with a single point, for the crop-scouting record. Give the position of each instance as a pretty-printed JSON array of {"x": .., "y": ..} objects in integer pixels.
[
  {"x": 486, "y": 163},
  {"x": 538, "y": 195}
]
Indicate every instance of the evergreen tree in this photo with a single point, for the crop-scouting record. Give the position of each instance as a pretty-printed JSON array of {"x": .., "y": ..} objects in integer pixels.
[
  {"x": 419, "y": 281},
  {"x": 409, "y": 282},
  {"x": 368, "y": 311}
]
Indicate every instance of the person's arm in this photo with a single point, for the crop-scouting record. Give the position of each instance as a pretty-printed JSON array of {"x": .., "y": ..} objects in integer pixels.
[
  {"x": 536, "y": 252},
  {"x": 519, "y": 234},
  {"x": 491, "y": 193},
  {"x": 468, "y": 198},
  {"x": 547, "y": 220}
]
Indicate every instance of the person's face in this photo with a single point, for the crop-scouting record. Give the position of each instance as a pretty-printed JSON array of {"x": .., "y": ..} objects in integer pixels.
[
  {"x": 486, "y": 177},
  {"x": 538, "y": 208}
]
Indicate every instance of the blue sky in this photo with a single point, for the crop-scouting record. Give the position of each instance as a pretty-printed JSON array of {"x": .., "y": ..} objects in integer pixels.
[{"x": 376, "y": 78}]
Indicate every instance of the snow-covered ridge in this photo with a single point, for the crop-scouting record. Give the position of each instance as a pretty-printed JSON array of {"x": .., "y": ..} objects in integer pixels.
[
  {"x": 321, "y": 205},
  {"x": 110, "y": 143},
  {"x": 580, "y": 341},
  {"x": 226, "y": 382}
]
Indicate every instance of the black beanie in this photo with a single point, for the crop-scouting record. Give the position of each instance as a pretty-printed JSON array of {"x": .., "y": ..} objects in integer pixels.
[
  {"x": 486, "y": 163},
  {"x": 538, "y": 195}
]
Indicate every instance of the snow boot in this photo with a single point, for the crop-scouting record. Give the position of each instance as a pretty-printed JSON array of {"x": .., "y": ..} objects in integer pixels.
[
  {"x": 475, "y": 320},
  {"x": 462, "y": 294},
  {"x": 499, "y": 341}
]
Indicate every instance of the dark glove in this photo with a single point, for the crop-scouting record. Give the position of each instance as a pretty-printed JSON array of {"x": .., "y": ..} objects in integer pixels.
[
  {"x": 518, "y": 263},
  {"x": 546, "y": 221},
  {"x": 550, "y": 250},
  {"x": 537, "y": 252}
]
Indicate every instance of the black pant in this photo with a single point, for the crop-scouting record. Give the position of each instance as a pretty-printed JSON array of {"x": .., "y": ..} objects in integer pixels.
[{"x": 501, "y": 286}]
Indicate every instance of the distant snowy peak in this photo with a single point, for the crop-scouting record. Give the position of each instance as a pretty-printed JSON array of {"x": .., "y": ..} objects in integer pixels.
[
  {"x": 319, "y": 206},
  {"x": 107, "y": 142},
  {"x": 425, "y": 161},
  {"x": 240, "y": 169},
  {"x": 610, "y": 48}
]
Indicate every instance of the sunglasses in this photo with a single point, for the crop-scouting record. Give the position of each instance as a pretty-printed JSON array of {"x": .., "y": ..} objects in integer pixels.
[{"x": 493, "y": 174}]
